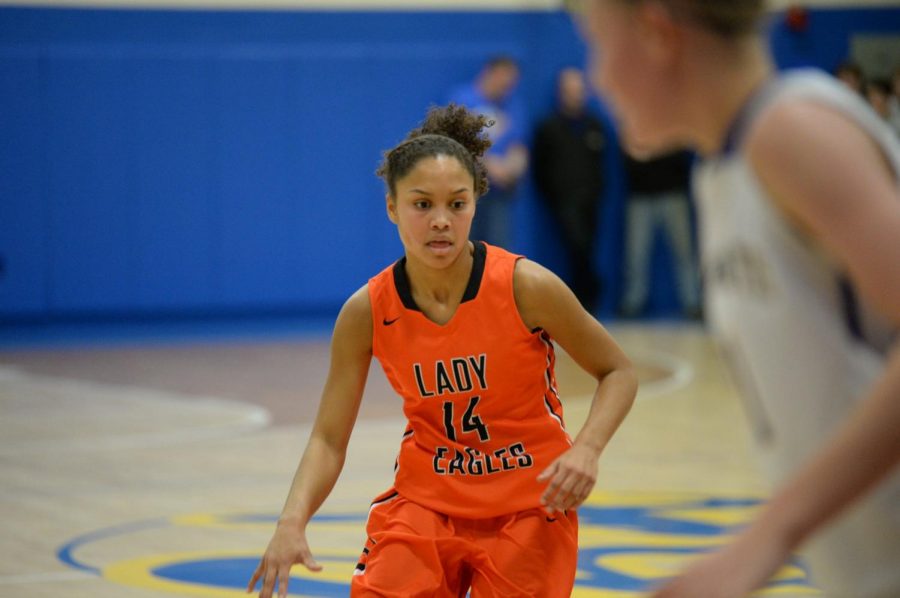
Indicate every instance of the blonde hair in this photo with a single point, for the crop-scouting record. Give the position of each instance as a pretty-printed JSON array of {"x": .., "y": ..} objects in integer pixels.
[{"x": 728, "y": 18}]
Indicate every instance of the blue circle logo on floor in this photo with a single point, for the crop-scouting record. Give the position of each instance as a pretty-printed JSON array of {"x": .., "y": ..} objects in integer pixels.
[{"x": 627, "y": 544}]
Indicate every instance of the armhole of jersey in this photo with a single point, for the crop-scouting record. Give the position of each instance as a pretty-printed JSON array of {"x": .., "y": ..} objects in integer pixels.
[
  {"x": 512, "y": 291},
  {"x": 880, "y": 137},
  {"x": 775, "y": 208},
  {"x": 374, "y": 287}
]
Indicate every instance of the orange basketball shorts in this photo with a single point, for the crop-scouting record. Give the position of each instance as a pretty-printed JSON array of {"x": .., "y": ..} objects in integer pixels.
[{"x": 412, "y": 552}]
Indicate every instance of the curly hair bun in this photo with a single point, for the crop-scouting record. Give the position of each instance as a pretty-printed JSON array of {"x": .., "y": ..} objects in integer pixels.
[
  {"x": 457, "y": 123},
  {"x": 449, "y": 130}
]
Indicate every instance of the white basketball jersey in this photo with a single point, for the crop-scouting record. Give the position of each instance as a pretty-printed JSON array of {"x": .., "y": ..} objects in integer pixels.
[{"x": 803, "y": 347}]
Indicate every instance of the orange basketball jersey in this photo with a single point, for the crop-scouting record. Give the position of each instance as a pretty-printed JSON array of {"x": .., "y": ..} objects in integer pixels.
[{"x": 479, "y": 393}]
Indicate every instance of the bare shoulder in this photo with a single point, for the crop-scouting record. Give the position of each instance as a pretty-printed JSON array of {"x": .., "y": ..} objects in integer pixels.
[
  {"x": 533, "y": 281},
  {"x": 354, "y": 322},
  {"x": 828, "y": 175},
  {"x": 358, "y": 305},
  {"x": 814, "y": 159},
  {"x": 794, "y": 121},
  {"x": 541, "y": 296}
]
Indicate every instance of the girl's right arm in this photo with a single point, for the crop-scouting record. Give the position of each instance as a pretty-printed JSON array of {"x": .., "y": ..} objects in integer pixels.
[{"x": 323, "y": 459}]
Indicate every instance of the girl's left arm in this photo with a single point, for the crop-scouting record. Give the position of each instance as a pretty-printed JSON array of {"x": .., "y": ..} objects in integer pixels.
[{"x": 544, "y": 301}]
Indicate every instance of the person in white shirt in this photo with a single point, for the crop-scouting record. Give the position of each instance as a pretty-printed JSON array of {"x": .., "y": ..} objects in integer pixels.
[{"x": 799, "y": 209}]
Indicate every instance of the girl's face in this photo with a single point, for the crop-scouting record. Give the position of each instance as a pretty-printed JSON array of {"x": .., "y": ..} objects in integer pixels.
[
  {"x": 433, "y": 210},
  {"x": 631, "y": 66}
]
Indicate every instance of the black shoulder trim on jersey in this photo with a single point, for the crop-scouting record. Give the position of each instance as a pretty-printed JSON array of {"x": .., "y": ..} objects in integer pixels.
[
  {"x": 390, "y": 496},
  {"x": 850, "y": 308},
  {"x": 479, "y": 259},
  {"x": 401, "y": 283},
  {"x": 740, "y": 123}
]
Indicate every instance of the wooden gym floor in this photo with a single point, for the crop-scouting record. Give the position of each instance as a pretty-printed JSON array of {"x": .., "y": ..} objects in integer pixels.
[{"x": 158, "y": 469}]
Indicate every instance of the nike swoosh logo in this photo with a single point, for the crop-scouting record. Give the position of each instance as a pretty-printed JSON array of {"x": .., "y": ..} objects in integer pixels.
[{"x": 387, "y": 322}]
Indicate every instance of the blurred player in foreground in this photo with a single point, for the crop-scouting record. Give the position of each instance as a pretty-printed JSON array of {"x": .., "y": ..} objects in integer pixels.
[{"x": 800, "y": 220}]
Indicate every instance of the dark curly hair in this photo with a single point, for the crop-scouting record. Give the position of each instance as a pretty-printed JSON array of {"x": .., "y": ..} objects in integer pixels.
[{"x": 446, "y": 131}]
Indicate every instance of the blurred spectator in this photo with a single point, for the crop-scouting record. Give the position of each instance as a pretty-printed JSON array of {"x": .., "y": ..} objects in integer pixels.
[
  {"x": 851, "y": 74},
  {"x": 877, "y": 93},
  {"x": 568, "y": 150},
  {"x": 659, "y": 199},
  {"x": 492, "y": 94}
]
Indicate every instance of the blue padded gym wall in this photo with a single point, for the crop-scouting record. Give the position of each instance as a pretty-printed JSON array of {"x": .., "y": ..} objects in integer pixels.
[{"x": 187, "y": 162}]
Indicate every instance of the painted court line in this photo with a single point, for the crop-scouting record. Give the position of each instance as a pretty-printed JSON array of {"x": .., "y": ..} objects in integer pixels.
[
  {"x": 682, "y": 374},
  {"x": 236, "y": 417},
  {"x": 49, "y": 576}
]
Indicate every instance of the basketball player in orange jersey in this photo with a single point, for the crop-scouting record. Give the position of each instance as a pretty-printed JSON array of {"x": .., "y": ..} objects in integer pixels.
[
  {"x": 487, "y": 481},
  {"x": 799, "y": 207}
]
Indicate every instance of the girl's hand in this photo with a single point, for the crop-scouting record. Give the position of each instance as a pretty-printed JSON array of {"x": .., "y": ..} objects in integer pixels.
[
  {"x": 287, "y": 547},
  {"x": 572, "y": 476}
]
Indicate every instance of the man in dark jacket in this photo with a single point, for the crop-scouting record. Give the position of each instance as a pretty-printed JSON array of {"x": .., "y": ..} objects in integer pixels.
[{"x": 568, "y": 170}]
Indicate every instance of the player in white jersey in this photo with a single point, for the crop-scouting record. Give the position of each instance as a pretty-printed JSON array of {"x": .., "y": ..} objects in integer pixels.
[{"x": 800, "y": 213}]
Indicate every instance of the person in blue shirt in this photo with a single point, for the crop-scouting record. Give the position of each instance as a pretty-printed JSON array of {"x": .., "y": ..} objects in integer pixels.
[{"x": 492, "y": 94}]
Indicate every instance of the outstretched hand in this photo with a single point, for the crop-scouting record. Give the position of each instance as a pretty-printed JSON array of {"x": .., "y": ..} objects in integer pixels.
[
  {"x": 287, "y": 547},
  {"x": 572, "y": 477},
  {"x": 731, "y": 572}
]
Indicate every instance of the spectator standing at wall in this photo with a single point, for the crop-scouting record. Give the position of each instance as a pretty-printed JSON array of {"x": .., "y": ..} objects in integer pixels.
[
  {"x": 658, "y": 198},
  {"x": 851, "y": 74},
  {"x": 568, "y": 158},
  {"x": 493, "y": 95},
  {"x": 878, "y": 94}
]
